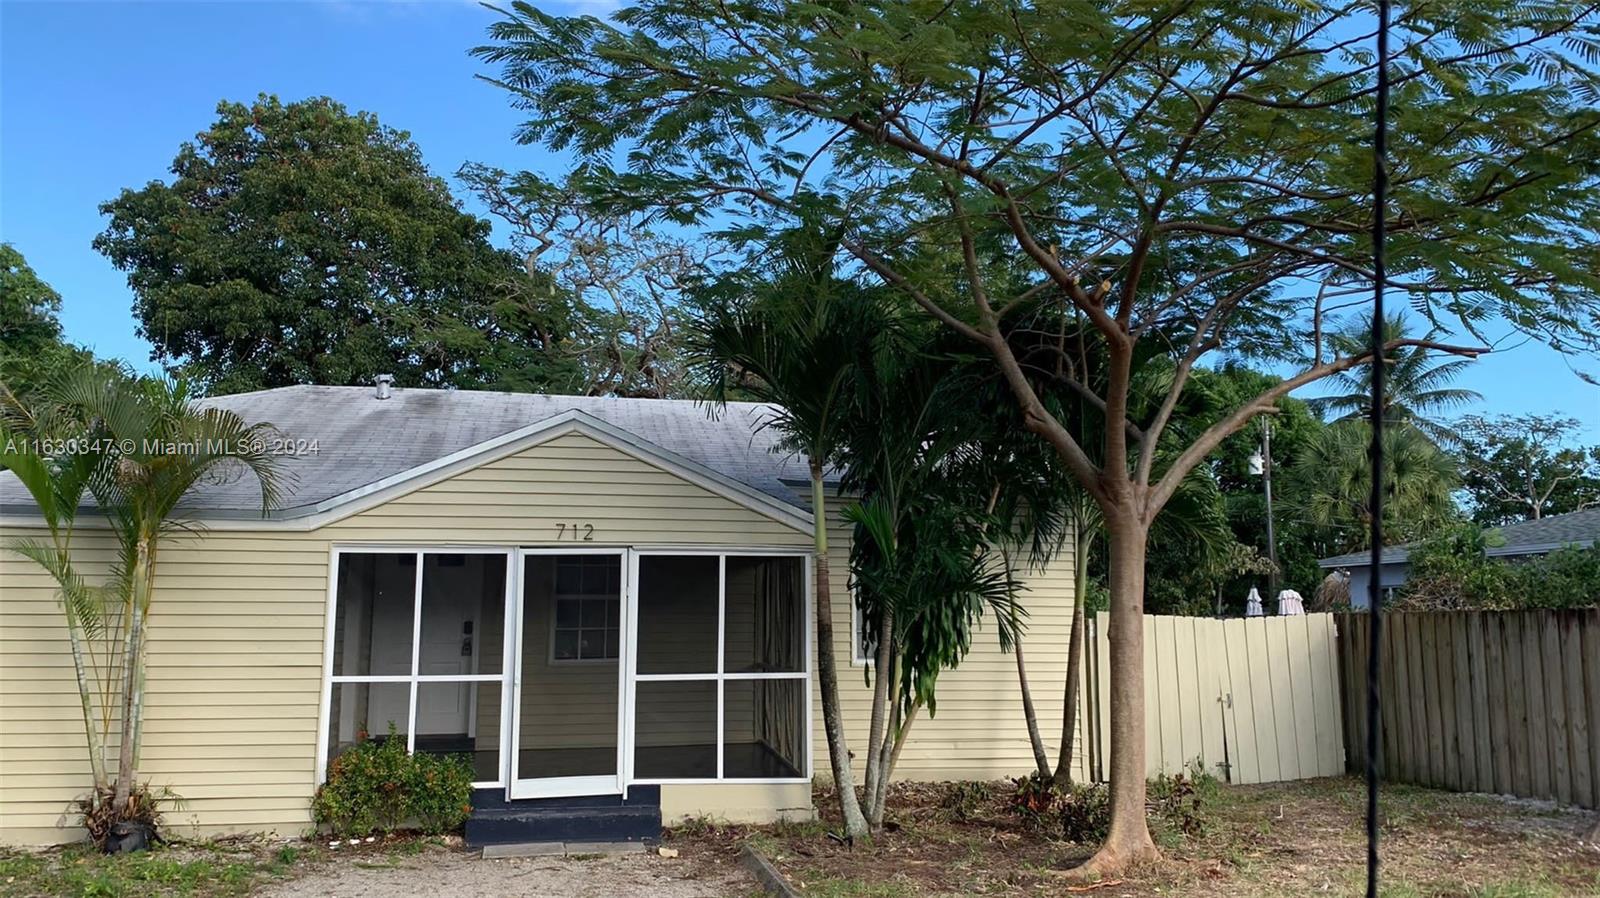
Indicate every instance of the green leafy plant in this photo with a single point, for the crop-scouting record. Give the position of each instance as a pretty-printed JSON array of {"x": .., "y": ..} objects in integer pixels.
[
  {"x": 1453, "y": 570},
  {"x": 377, "y": 786},
  {"x": 1084, "y": 813},
  {"x": 961, "y": 801}
]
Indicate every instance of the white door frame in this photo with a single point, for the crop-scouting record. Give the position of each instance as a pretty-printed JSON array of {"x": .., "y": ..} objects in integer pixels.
[{"x": 564, "y": 786}]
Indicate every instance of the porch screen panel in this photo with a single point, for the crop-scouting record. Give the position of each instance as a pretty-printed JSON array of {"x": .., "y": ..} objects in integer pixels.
[
  {"x": 741, "y": 711},
  {"x": 418, "y": 648}
]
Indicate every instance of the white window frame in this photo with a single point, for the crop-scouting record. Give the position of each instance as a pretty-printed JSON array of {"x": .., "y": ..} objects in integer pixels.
[
  {"x": 414, "y": 679},
  {"x": 721, "y": 676},
  {"x": 555, "y": 599}
]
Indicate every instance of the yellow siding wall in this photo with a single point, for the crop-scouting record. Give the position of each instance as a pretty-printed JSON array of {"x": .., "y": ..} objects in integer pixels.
[
  {"x": 979, "y": 731},
  {"x": 237, "y": 635}
]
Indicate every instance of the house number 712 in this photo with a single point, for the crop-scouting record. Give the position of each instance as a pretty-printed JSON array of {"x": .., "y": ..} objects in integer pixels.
[{"x": 579, "y": 532}]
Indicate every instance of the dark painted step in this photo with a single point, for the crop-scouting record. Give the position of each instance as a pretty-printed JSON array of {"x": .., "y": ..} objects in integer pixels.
[{"x": 599, "y": 818}]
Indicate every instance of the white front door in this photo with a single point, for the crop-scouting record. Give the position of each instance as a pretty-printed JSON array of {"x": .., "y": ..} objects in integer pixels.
[{"x": 568, "y": 696}]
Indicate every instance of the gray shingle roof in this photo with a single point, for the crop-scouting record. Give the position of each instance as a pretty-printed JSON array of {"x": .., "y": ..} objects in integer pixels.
[
  {"x": 1522, "y": 538},
  {"x": 361, "y": 439}
]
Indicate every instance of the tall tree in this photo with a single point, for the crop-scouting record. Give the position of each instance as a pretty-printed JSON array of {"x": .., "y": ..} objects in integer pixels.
[
  {"x": 625, "y": 279},
  {"x": 1416, "y": 386},
  {"x": 300, "y": 243},
  {"x": 1517, "y": 467},
  {"x": 1332, "y": 478},
  {"x": 798, "y": 346},
  {"x": 32, "y": 349},
  {"x": 1167, "y": 168}
]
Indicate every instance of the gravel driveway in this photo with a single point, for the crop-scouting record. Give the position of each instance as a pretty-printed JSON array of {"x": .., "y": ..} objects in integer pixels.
[{"x": 445, "y": 873}]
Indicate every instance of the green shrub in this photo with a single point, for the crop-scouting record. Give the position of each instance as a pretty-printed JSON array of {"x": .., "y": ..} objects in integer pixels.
[
  {"x": 1084, "y": 813},
  {"x": 961, "y": 801},
  {"x": 377, "y": 786},
  {"x": 1453, "y": 570}
]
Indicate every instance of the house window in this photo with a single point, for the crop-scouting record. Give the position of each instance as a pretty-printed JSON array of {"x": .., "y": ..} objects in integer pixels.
[
  {"x": 588, "y": 610},
  {"x": 722, "y": 688}
]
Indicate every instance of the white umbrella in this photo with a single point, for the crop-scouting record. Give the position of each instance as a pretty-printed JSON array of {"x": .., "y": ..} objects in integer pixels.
[
  {"x": 1290, "y": 602},
  {"x": 1252, "y": 605}
]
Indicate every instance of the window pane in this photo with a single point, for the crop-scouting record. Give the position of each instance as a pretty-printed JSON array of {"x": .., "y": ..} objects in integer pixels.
[
  {"x": 569, "y": 711},
  {"x": 594, "y": 613},
  {"x": 566, "y": 645},
  {"x": 463, "y": 614},
  {"x": 359, "y": 711},
  {"x": 592, "y": 644},
  {"x": 376, "y": 607},
  {"x": 675, "y": 730},
  {"x": 567, "y": 612},
  {"x": 461, "y": 719},
  {"x": 677, "y": 614},
  {"x": 764, "y": 729},
  {"x": 765, "y": 615}
]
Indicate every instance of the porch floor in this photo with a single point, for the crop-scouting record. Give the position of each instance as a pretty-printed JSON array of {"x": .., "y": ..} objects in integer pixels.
[{"x": 742, "y": 760}]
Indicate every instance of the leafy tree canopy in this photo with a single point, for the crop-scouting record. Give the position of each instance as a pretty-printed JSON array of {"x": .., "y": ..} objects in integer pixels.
[
  {"x": 300, "y": 243},
  {"x": 1517, "y": 467},
  {"x": 32, "y": 349}
]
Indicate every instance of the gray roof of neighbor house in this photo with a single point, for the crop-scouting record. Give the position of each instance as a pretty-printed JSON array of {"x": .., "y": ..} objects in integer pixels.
[
  {"x": 362, "y": 439},
  {"x": 1522, "y": 538}
]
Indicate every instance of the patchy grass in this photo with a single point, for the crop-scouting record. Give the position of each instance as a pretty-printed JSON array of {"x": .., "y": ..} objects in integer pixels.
[
  {"x": 170, "y": 872},
  {"x": 220, "y": 869},
  {"x": 1304, "y": 838}
]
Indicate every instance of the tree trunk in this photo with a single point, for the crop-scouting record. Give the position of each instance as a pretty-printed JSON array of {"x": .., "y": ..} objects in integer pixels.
[
  {"x": 855, "y": 824},
  {"x": 878, "y": 735},
  {"x": 91, "y": 732},
  {"x": 900, "y": 739},
  {"x": 1069, "y": 701},
  {"x": 1129, "y": 840},
  {"x": 133, "y": 677},
  {"x": 1041, "y": 758}
]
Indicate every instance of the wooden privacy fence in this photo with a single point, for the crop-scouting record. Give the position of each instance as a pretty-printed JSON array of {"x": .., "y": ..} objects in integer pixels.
[
  {"x": 1255, "y": 700},
  {"x": 1481, "y": 701}
]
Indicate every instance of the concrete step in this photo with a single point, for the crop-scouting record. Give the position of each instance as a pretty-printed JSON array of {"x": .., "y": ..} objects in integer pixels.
[{"x": 522, "y": 825}]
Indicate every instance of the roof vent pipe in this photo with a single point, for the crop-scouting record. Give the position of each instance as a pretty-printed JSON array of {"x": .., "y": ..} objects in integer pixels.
[{"x": 383, "y": 381}]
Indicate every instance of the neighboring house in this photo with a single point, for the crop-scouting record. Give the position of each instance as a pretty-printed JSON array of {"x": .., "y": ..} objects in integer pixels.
[
  {"x": 1536, "y": 537},
  {"x": 606, "y": 603}
]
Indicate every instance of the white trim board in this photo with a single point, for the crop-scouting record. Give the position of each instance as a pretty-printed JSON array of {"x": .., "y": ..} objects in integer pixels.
[{"x": 337, "y": 508}]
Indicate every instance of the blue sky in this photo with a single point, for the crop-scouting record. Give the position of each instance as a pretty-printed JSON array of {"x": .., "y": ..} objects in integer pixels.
[{"x": 95, "y": 97}]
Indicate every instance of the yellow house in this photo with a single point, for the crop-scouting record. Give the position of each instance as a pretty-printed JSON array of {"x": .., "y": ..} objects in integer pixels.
[{"x": 605, "y": 603}]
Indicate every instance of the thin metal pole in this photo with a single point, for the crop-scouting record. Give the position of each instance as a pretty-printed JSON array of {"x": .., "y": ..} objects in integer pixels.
[
  {"x": 1380, "y": 197},
  {"x": 1266, "y": 478}
]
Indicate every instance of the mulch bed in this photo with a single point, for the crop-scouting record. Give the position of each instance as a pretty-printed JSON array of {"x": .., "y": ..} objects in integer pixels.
[{"x": 1287, "y": 838}]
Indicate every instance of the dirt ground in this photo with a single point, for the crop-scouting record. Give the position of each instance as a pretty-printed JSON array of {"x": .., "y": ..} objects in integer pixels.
[
  {"x": 1286, "y": 839},
  {"x": 452, "y": 873}
]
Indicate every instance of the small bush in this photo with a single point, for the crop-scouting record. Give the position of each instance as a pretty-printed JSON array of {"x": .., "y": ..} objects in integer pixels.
[
  {"x": 1084, "y": 813},
  {"x": 961, "y": 801},
  {"x": 1179, "y": 800},
  {"x": 377, "y": 786}
]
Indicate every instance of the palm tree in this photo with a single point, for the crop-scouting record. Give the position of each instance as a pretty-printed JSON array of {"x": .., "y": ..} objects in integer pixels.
[
  {"x": 159, "y": 444},
  {"x": 1333, "y": 476},
  {"x": 58, "y": 480},
  {"x": 796, "y": 340},
  {"x": 1415, "y": 387}
]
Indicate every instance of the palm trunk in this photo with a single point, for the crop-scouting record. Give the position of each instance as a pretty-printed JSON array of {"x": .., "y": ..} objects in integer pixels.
[
  {"x": 855, "y": 824},
  {"x": 132, "y": 677},
  {"x": 886, "y": 689},
  {"x": 878, "y": 725},
  {"x": 1069, "y": 701},
  {"x": 1129, "y": 840},
  {"x": 91, "y": 732},
  {"x": 900, "y": 740},
  {"x": 1041, "y": 758}
]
